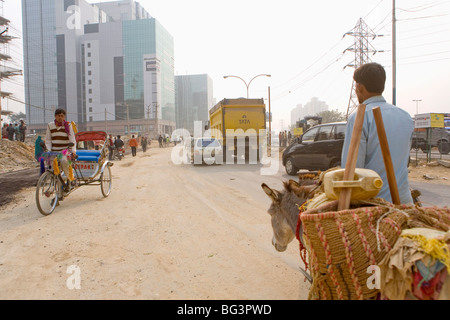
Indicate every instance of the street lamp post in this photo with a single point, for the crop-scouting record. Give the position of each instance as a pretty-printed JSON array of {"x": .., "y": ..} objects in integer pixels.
[
  {"x": 417, "y": 105},
  {"x": 248, "y": 85}
]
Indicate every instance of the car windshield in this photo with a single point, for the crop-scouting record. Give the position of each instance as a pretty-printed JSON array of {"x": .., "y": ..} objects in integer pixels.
[{"x": 212, "y": 143}]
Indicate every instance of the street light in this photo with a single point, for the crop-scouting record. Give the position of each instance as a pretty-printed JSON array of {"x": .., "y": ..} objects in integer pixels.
[
  {"x": 417, "y": 105},
  {"x": 248, "y": 85}
]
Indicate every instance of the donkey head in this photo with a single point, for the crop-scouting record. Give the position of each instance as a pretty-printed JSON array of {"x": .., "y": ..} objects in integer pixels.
[{"x": 284, "y": 211}]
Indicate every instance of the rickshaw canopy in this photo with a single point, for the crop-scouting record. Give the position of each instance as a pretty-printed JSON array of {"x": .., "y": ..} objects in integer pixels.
[{"x": 91, "y": 136}]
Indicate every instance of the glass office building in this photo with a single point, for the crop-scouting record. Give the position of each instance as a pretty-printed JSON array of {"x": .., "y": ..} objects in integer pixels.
[
  {"x": 148, "y": 66},
  {"x": 194, "y": 98},
  {"x": 110, "y": 62},
  {"x": 40, "y": 60}
]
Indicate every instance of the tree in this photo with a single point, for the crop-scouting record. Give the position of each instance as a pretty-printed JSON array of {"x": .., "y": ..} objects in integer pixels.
[
  {"x": 331, "y": 116},
  {"x": 15, "y": 117}
]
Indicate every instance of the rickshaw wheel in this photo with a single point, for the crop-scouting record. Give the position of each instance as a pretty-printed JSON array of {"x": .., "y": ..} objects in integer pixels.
[
  {"x": 47, "y": 193},
  {"x": 106, "y": 181}
]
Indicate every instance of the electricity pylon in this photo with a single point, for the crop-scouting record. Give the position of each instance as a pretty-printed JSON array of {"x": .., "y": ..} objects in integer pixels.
[{"x": 362, "y": 49}]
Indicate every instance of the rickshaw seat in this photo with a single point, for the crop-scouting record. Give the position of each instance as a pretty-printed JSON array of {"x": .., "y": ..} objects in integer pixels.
[{"x": 88, "y": 155}]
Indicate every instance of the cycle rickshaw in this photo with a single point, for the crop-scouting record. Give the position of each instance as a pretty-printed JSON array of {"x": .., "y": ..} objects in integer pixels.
[{"x": 90, "y": 167}]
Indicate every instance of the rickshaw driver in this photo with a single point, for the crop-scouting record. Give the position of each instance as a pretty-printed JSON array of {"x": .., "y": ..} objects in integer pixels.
[{"x": 59, "y": 135}]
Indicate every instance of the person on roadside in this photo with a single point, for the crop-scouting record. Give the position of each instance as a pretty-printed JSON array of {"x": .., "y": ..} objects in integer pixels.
[
  {"x": 111, "y": 147},
  {"x": 16, "y": 132},
  {"x": 144, "y": 144},
  {"x": 58, "y": 136},
  {"x": 160, "y": 140},
  {"x": 370, "y": 81},
  {"x": 23, "y": 130},
  {"x": 5, "y": 131},
  {"x": 11, "y": 131},
  {"x": 133, "y": 145}
]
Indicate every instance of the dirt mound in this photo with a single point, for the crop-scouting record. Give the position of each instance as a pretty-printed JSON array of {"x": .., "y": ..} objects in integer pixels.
[{"x": 16, "y": 155}]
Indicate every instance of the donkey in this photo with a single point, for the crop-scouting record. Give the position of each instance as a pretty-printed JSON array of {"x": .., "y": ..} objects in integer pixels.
[{"x": 284, "y": 209}]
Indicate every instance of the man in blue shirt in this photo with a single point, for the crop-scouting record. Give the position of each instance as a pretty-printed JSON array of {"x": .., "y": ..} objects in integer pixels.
[{"x": 370, "y": 80}]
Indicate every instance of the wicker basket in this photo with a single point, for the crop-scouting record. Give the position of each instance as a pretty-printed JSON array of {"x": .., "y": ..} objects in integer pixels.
[{"x": 343, "y": 244}]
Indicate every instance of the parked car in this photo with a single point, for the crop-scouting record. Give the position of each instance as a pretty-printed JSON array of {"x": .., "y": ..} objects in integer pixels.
[
  {"x": 319, "y": 148},
  {"x": 206, "y": 150}
]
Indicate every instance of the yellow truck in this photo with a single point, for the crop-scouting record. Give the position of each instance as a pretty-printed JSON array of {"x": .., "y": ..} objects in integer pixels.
[{"x": 240, "y": 125}]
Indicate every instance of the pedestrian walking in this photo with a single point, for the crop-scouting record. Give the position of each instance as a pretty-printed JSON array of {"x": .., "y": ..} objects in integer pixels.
[
  {"x": 111, "y": 147},
  {"x": 23, "y": 130},
  {"x": 160, "y": 140},
  {"x": 144, "y": 144},
  {"x": 133, "y": 145}
]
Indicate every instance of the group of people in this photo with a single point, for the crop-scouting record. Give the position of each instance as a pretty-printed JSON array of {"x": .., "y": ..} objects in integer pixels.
[
  {"x": 117, "y": 143},
  {"x": 284, "y": 138},
  {"x": 14, "y": 132},
  {"x": 163, "y": 141},
  {"x": 114, "y": 144}
]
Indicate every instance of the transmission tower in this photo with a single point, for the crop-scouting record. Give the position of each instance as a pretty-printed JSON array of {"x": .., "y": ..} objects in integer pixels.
[{"x": 362, "y": 49}]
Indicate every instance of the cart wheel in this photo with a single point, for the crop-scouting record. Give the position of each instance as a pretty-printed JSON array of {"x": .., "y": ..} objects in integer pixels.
[
  {"x": 47, "y": 191},
  {"x": 106, "y": 181}
]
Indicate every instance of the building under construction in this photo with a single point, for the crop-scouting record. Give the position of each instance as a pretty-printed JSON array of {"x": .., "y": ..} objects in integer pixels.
[{"x": 5, "y": 71}]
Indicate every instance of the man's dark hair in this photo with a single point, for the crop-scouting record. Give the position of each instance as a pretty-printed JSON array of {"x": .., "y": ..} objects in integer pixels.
[
  {"x": 372, "y": 76},
  {"x": 60, "y": 111}
]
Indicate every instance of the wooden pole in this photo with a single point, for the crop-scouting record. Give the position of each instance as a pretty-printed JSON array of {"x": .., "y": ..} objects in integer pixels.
[
  {"x": 352, "y": 157},
  {"x": 384, "y": 145},
  {"x": 270, "y": 128}
]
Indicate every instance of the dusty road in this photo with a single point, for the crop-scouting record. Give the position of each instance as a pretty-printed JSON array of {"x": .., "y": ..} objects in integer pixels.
[{"x": 166, "y": 232}]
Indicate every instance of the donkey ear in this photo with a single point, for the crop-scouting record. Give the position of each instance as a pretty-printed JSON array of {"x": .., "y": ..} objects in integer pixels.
[
  {"x": 273, "y": 194},
  {"x": 293, "y": 183}
]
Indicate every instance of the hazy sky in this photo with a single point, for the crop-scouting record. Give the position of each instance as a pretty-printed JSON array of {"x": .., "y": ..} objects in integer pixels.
[{"x": 301, "y": 44}]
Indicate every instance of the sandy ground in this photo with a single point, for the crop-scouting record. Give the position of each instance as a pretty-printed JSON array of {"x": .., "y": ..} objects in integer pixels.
[{"x": 165, "y": 232}]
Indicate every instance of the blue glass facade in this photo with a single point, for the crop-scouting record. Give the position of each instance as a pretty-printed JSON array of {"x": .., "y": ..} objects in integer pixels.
[
  {"x": 142, "y": 38},
  {"x": 40, "y": 60}
]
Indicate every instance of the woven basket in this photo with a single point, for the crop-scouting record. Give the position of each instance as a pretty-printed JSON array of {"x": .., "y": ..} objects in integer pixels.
[{"x": 343, "y": 244}]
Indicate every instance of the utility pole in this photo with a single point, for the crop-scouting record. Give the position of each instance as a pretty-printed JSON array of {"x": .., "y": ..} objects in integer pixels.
[
  {"x": 106, "y": 122},
  {"x": 270, "y": 128},
  {"x": 394, "y": 55},
  {"x": 128, "y": 118},
  {"x": 156, "y": 120},
  {"x": 362, "y": 48},
  {"x": 148, "y": 110}
]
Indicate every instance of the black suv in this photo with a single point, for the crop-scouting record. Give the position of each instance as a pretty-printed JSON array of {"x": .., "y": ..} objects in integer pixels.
[{"x": 319, "y": 148}]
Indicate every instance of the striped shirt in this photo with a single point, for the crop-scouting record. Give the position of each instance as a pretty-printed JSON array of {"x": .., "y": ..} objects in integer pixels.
[{"x": 57, "y": 139}]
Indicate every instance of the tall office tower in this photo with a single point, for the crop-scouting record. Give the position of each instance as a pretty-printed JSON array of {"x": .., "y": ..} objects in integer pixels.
[
  {"x": 194, "y": 98},
  {"x": 124, "y": 10},
  {"x": 105, "y": 63},
  {"x": 52, "y": 57}
]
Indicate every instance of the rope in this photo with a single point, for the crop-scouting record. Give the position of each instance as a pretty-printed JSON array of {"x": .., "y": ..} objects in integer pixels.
[{"x": 303, "y": 250}]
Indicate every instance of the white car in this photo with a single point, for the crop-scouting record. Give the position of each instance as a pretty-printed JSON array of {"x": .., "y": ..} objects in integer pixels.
[{"x": 206, "y": 150}]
